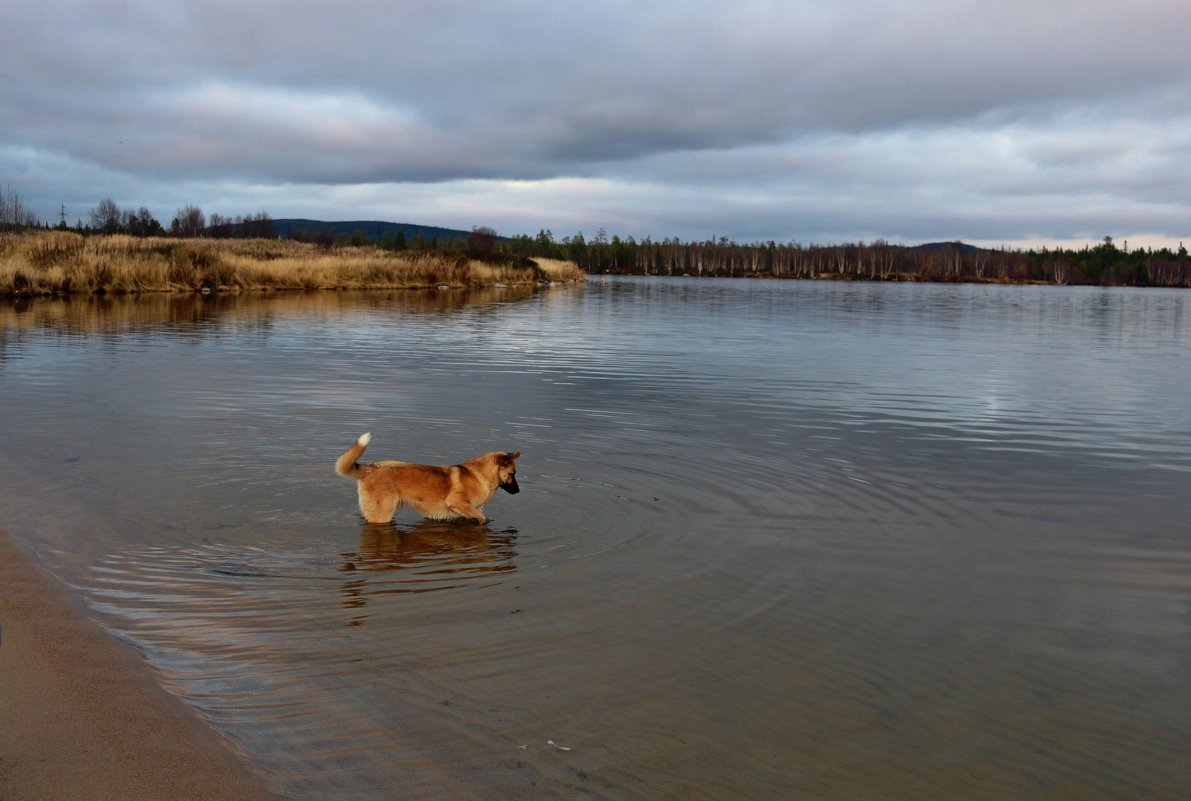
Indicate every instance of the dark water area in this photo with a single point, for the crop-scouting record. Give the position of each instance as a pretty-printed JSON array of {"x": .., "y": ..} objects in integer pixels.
[{"x": 775, "y": 540}]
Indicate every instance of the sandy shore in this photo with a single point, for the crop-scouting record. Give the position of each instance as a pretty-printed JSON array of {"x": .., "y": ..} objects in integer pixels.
[{"x": 81, "y": 716}]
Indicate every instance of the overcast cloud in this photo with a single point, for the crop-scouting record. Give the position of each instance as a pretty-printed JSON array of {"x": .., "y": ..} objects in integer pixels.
[{"x": 1017, "y": 122}]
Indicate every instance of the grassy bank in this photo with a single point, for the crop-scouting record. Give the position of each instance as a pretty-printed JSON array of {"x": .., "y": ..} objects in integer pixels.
[{"x": 60, "y": 262}]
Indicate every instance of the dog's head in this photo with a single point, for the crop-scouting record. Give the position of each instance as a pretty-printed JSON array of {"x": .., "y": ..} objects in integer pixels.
[{"x": 506, "y": 471}]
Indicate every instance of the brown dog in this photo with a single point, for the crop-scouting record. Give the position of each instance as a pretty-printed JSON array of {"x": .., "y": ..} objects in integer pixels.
[{"x": 440, "y": 493}]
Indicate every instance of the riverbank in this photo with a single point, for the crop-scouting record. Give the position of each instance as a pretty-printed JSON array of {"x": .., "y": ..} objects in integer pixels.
[
  {"x": 83, "y": 718},
  {"x": 62, "y": 262}
]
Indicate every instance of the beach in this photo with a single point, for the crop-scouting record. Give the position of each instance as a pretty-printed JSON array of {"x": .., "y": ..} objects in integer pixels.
[{"x": 81, "y": 715}]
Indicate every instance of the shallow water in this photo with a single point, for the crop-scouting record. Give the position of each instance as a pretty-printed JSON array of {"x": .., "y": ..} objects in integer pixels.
[{"x": 775, "y": 539}]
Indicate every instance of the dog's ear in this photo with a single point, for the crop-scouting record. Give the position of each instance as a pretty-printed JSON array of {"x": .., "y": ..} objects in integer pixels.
[{"x": 506, "y": 459}]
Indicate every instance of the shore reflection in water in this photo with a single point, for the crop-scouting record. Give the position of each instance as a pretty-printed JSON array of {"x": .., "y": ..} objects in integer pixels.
[
  {"x": 775, "y": 540},
  {"x": 206, "y": 313}
]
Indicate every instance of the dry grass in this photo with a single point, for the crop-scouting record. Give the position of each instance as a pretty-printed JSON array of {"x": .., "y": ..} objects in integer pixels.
[
  {"x": 556, "y": 270},
  {"x": 60, "y": 262}
]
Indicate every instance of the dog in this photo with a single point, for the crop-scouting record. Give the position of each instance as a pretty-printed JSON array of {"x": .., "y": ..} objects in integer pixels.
[{"x": 457, "y": 492}]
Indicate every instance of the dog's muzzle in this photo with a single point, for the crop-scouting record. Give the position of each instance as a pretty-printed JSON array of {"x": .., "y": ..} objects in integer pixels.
[{"x": 510, "y": 486}]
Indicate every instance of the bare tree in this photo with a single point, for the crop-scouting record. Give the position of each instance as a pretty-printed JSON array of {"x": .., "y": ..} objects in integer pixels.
[
  {"x": 258, "y": 225},
  {"x": 12, "y": 211},
  {"x": 106, "y": 217},
  {"x": 219, "y": 226},
  {"x": 482, "y": 238},
  {"x": 189, "y": 221}
]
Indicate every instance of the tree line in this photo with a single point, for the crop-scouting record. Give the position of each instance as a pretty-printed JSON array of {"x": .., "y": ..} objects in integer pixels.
[
  {"x": 189, "y": 221},
  {"x": 108, "y": 218},
  {"x": 14, "y": 215},
  {"x": 1105, "y": 263}
]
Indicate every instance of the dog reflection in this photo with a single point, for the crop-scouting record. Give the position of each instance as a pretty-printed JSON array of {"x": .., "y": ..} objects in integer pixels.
[{"x": 425, "y": 557}]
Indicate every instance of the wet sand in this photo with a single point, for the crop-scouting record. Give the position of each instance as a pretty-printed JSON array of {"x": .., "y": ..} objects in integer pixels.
[{"x": 81, "y": 715}]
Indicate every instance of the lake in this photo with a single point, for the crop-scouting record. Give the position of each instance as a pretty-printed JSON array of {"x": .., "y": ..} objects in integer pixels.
[{"x": 775, "y": 540}]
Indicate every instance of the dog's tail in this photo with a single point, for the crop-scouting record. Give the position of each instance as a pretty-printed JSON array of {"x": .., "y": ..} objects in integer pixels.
[{"x": 346, "y": 465}]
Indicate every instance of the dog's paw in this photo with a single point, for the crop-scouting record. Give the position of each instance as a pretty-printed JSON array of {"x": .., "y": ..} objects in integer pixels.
[{"x": 364, "y": 439}]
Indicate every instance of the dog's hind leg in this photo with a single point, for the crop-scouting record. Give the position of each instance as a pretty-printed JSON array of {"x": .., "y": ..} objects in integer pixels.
[{"x": 378, "y": 508}]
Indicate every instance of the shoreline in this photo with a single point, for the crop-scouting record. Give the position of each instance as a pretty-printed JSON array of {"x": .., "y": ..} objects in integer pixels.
[
  {"x": 82, "y": 715},
  {"x": 65, "y": 263}
]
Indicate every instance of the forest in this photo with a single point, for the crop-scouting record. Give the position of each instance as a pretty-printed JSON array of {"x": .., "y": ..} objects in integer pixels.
[{"x": 1104, "y": 263}]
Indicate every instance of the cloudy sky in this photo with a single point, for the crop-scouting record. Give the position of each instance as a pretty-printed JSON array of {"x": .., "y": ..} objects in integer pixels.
[{"x": 1015, "y": 122}]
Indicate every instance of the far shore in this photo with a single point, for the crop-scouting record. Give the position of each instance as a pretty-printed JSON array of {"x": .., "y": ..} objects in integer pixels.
[
  {"x": 66, "y": 263},
  {"x": 81, "y": 715}
]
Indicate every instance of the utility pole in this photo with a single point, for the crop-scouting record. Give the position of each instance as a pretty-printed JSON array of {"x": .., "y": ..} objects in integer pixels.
[{"x": 62, "y": 215}]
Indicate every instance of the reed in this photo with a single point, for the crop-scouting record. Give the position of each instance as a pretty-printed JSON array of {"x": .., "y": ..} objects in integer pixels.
[{"x": 61, "y": 262}]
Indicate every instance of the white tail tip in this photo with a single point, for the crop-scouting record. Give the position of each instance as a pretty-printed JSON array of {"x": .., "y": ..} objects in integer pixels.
[{"x": 364, "y": 439}]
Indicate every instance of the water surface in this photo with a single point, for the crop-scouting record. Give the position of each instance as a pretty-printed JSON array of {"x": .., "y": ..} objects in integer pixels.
[{"x": 775, "y": 539}]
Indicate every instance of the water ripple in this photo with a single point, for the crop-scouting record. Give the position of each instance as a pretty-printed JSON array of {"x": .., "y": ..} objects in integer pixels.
[{"x": 774, "y": 539}]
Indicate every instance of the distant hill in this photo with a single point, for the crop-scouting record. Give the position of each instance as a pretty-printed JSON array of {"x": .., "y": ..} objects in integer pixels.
[
  {"x": 376, "y": 230},
  {"x": 373, "y": 229},
  {"x": 933, "y": 247}
]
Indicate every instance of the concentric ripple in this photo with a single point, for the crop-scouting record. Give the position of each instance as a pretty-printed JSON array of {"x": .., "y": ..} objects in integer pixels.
[{"x": 774, "y": 540}]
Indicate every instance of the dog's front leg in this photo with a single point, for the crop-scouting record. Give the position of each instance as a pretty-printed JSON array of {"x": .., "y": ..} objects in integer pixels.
[{"x": 464, "y": 509}]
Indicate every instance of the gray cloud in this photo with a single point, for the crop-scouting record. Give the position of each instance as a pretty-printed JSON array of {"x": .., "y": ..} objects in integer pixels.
[{"x": 799, "y": 120}]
